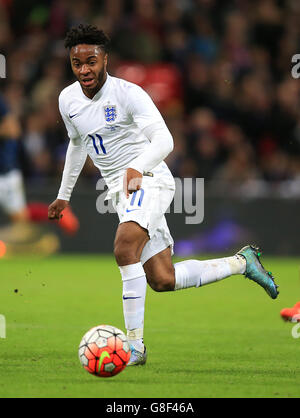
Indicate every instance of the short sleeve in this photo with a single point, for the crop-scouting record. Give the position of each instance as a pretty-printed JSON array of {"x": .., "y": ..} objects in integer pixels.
[
  {"x": 72, "y": 131},
  {"x": 141, "y": 107}
]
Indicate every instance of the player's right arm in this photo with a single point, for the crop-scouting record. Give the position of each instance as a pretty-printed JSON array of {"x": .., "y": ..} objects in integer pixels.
[
  {"x": 148, "y": 118},
  {"x": 75, "y": 160}
]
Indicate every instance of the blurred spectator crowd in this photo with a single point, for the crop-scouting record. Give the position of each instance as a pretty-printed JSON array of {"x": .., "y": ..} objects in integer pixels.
[{"x": 220, "y": 72}]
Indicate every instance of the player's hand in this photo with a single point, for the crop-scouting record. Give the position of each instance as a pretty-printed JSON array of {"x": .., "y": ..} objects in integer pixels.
[
  {"x": 56, "y": 208},
  {"x": 132, "y": 181}
]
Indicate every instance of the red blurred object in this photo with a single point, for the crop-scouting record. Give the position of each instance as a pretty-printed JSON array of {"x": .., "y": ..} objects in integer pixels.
[
  {"x": 69, "y": 222},
  {"x": 291, "y": 314},
  {"x": 161, "y": 81},
  {"x": 2, "y": 249},
  {"x": 38, "y": 212}
]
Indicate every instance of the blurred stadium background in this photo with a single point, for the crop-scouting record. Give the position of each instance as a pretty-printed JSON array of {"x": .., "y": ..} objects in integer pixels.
[{"x": 220, "y": 73}]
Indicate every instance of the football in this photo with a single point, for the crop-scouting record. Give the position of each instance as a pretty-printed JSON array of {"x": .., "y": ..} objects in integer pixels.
[{"x": 104, "y": 351}]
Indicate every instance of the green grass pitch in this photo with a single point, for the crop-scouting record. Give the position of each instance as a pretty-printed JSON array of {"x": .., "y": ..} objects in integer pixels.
[{"x": 222, "y": 340}]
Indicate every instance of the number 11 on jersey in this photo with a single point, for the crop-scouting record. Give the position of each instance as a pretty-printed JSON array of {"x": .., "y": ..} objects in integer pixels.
[{"x": 100, "y": 143}]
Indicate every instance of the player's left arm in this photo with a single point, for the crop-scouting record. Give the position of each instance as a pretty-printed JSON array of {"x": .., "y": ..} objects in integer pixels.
[{"x": 161, "y": 144}]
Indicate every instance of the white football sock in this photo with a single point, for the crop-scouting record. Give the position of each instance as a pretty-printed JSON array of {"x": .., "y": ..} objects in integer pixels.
[
  {"x": 134, "y": 295},
  {"x": 195, "y": 273}
]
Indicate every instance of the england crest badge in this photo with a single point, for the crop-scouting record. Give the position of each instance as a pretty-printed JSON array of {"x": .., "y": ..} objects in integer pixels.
[{"x": 110, "y": 112}]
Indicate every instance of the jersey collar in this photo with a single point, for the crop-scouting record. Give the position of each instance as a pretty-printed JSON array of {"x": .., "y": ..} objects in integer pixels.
[{"x": 100, "y": 93}]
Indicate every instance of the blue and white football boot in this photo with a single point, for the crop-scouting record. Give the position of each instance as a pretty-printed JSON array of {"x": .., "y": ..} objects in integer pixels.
[
  {"x": 137, "y": 358},
  {"x": 255, "y": 270}
]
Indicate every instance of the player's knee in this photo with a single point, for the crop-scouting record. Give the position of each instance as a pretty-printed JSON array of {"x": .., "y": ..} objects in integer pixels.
[
  {"x": 125, "y": 252},
  {"x": 162, "y": 284}
]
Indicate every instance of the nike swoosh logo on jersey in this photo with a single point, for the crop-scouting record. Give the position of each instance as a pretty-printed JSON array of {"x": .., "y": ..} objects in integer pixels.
[
  {"x": 130, "y": 210},
  {"x": 104, "y": 354},
  {"x": 73, "y": 116},
  {"x": 131, "y": 297}
]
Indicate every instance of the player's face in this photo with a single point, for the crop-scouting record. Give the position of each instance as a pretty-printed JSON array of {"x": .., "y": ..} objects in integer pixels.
[{"x": 89, "y": 64}]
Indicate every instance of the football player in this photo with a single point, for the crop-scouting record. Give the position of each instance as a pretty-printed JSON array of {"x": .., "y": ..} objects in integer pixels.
[{"x": 116, "y": 123}]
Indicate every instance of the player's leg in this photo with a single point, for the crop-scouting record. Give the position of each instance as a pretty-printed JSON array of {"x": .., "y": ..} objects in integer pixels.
[
  {"x": 160, "y": 271},
  {"x": 163, "y": 276},
  {"x": 13, "y": 199},
  {"x": 137, "y": 216},
  {"x": 129, "y": 243}
]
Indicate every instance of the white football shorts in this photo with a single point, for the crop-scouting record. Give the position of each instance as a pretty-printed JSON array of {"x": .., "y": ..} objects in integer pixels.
[
  {"x": 12, "y": 196},
  {"x": 147, "y": 207}
]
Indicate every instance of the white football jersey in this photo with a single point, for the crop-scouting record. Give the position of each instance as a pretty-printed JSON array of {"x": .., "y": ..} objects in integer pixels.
[{"x": 110, "y": 125}]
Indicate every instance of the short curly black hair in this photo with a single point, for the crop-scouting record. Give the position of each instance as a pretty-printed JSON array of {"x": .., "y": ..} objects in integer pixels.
[{"x": 87, "y": 34}]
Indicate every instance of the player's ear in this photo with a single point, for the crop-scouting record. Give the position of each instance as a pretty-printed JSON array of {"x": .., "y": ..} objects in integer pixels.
[{"x": 105, "y": 59}]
